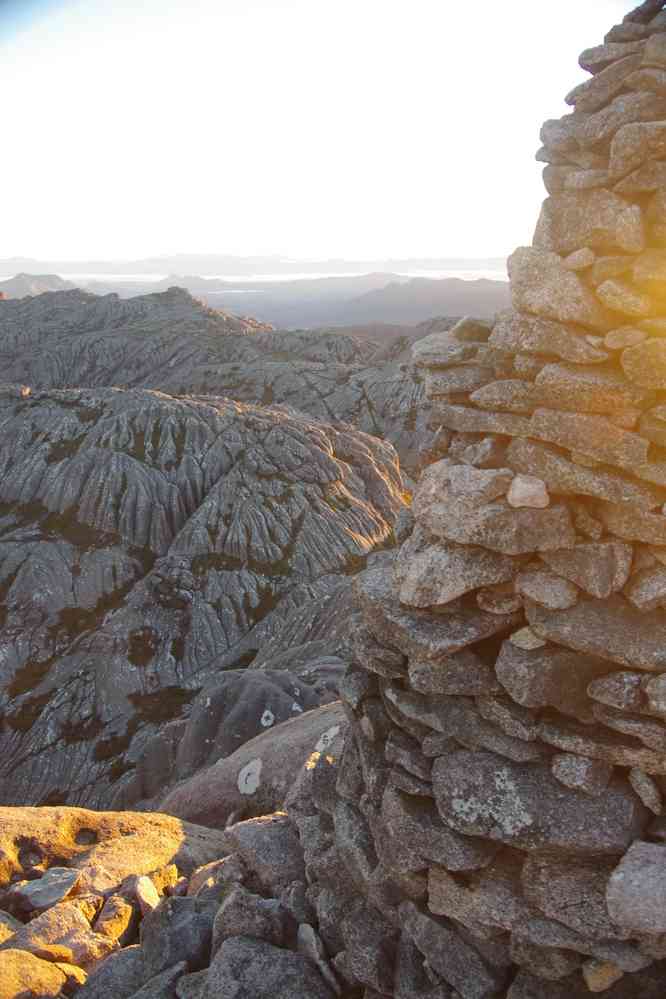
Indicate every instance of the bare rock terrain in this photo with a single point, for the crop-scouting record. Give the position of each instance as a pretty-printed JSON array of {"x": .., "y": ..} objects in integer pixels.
[
  {"x": 171, "y": 342},
  {"x": 144, "y": 539}
]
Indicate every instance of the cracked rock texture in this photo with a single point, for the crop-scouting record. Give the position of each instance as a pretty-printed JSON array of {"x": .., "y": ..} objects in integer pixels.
[
  {"x": 496, "y": 826},
  {"x": 170, "y": 341},
  {"x": 148, "y": 542}
]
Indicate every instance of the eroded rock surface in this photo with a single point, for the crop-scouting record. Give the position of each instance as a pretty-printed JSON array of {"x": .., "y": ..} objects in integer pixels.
[
  {"x": 147, "y": 542},
  {"x": 170, "y": 341}
]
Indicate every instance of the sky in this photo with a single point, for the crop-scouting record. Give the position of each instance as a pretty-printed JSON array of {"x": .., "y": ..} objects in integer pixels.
[{"x": 306, "y": 128}]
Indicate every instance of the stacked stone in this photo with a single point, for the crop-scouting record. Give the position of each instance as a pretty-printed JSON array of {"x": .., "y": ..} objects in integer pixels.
[{"x": 498, "y": 825}]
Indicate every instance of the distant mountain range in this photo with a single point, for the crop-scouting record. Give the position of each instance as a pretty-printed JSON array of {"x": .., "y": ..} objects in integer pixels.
[
  {"x": 208, "y": 264},
  {"x": 379, "y": 297},
  {"x": 22, "y": 285}
]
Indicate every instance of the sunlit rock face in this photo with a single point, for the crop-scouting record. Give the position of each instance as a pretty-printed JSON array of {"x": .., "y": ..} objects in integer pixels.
[
  {"x": 498, "y": 825},
  {"x": 146, "y": 542}
]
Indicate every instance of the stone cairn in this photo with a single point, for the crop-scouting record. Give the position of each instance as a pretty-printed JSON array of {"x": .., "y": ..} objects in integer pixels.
[{"x": 496, "y": 826}]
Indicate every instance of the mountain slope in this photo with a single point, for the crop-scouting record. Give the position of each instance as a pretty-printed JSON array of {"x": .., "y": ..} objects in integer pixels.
[
  {"x": 172, "y": 342},
  {"x": 143, "y": 537}
]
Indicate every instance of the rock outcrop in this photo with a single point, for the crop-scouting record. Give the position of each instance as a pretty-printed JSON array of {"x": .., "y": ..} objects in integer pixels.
[
  {"x": 171, "y": 342},
  {"x": 495, "y": 826},
  {"x": 146, "y": 543}
]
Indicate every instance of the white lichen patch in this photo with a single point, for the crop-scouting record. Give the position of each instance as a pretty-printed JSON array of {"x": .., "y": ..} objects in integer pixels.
[
  {"x": 267, "y": 719},
  {"x": 249, "y": 778},
  {"x": 326, "y": 738}
]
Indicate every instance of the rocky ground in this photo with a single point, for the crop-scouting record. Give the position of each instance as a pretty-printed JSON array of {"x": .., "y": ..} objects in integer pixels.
[
  {"x": 171, "y": 342},
  {"x": 189, "y": 583},
  {"x": 147, "y": 542}
]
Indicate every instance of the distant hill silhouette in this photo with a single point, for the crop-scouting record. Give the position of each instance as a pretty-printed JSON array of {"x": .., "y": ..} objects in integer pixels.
[{"x": 33, "y": 284}]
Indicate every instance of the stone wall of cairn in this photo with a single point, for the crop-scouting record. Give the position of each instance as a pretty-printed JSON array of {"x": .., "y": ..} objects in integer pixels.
[{"x": 497, "y": 826}]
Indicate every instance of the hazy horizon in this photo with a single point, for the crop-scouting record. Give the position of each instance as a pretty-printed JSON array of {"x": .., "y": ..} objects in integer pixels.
[{"x": 305, "y": 130}]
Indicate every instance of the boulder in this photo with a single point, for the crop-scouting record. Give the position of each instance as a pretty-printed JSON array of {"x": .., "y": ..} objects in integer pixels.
[
  {"x": 256, "y": 778},
  {"x": 244, "y": 968},
  {"x": 481, "y": 794}
]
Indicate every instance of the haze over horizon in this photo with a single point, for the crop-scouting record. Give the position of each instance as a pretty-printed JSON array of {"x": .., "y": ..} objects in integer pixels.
[{"x": 289, "y": 128}]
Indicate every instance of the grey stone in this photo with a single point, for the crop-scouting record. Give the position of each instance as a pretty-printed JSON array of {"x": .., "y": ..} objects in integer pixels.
[
  {"x": 598, "y": 219},
  {"x": 547, "y": 588},
  {"x": 598, "y": 568},
  {"x": 586, "y": 389},
  {"x": 564, "y": 476},
  {"x": 244, "y": 968},
  {"x": 420, "y": 839},
  {"x": 601, "y": 744},
  {"x": 635, "y": 143},
  {"x": 457, "y": 962},
  {"x": 244, "y": 914},
  {"x": 464, "y": 419},
  {"x": 462, "y": 673},
  {"x": 596, "y": 92},
  {"x": 647, "y": 589},
  {"x": 53, "y": 886},
  {"x": 192, "y": 986},
  {"x": 354, "y": 842},
  {"x": 612, "y": 629},
  {"x": 633, "y": 524},
  {"x": 529, "y": 491},
  {"x": 590, "y": 435},
  {"x": 480, "y": 794},
  {"x": 650, "y": 732},
  {"x": 403, "y": 749},
  {"x": 622, "y": 690},
  {"x": 417, "y": 633},
  {"x": 509, "y": 395},
  {"x": 542, "y": 285},
  {"x": 458, "y": 718},
  {"x": 119, "y": 975},
  {"x": 549, "y": 675},
  {"x": 636, "y": 893},
  {"x": 442, "y": 350},
  {"x": 412, "y": 979},
  {"x": 573, "y": 891},
  {"x": 233, "y": 709},
  {"x": 370, "y": 946},
  {"x": 492, "y": 899},
  {"x": 163, "y": 986},
  {"x": 269, "y": 848},
  {"x": 311, "y": 947},
  {"x": 581, "y": 773},
  {"x": 431, "y": 574},
  {"x": 548, "y": 963},
  {"x": 647, "y": 790},
  {"x": 518, "y": 332},
  {"x": 450, "y": 381},
  {"x": 179, "y": 929},
  {"x": 647, "y": 178},
  {"x": 596, "y": 59}
]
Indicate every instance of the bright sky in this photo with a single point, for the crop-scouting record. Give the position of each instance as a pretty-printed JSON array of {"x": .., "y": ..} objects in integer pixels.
[{"x": 312, "y": 128}]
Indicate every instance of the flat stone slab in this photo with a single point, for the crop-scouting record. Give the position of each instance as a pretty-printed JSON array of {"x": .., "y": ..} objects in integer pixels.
[
  {"x": 52, "y": 887},
  {"x": 564, "y": 476},
  {"x": 636, "y": 893},
  {"x": 517, "y": 332},
  {"x": 523, "y": 805},
  {"x": 612, "y": 629},
  {"x": 418, "y": 633}
]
